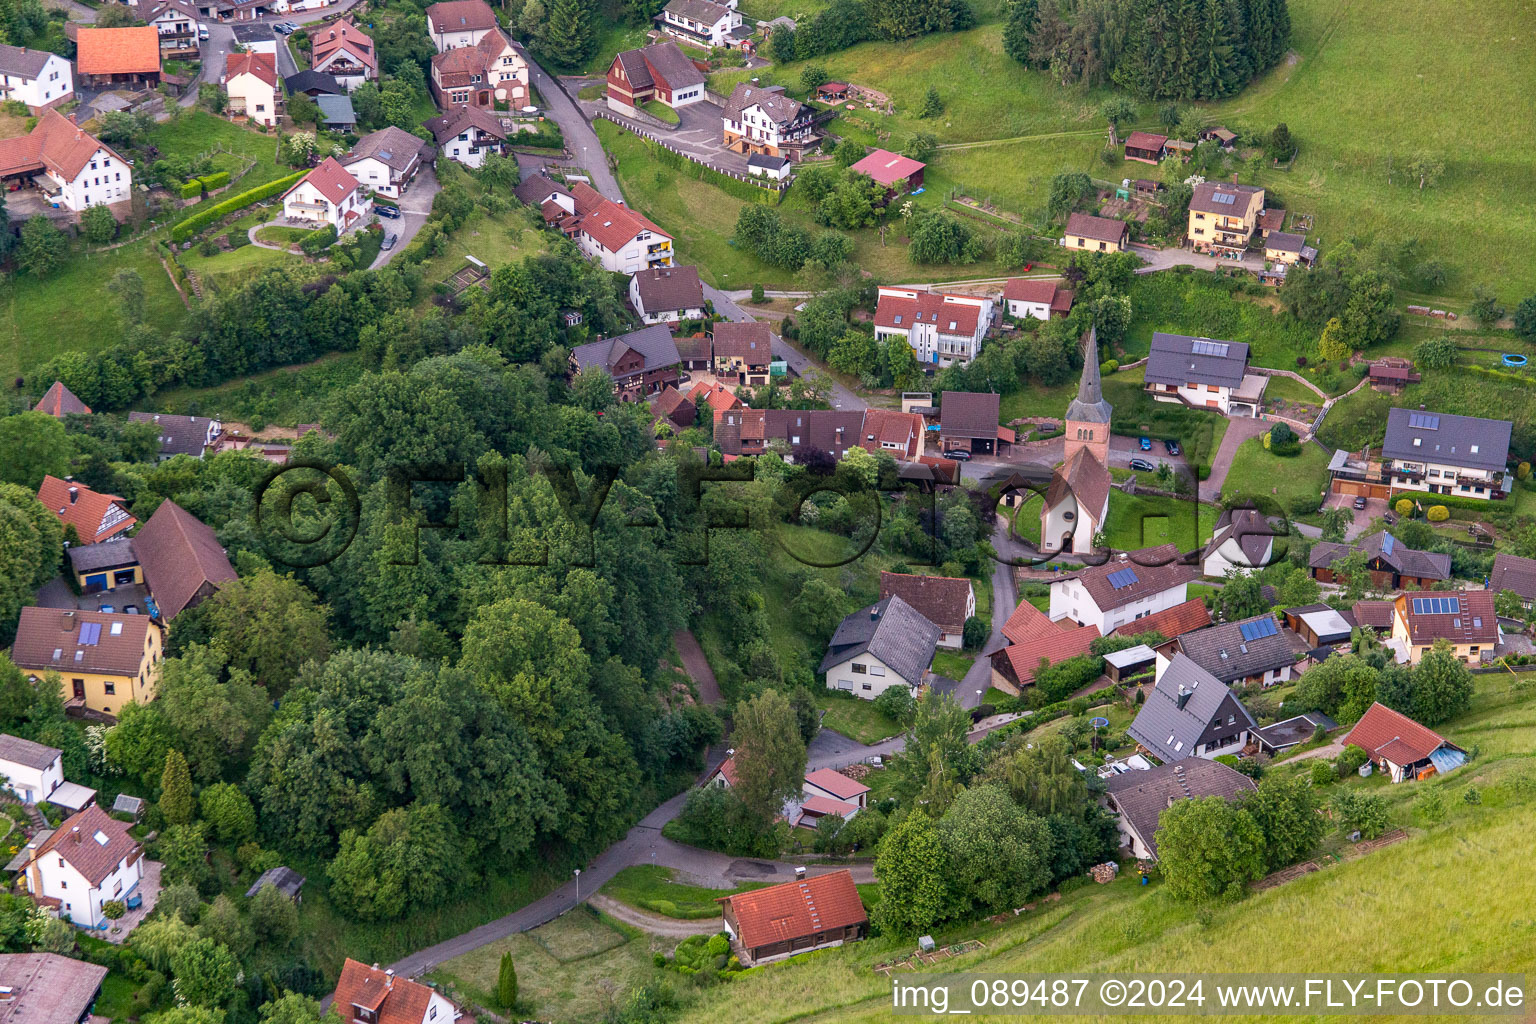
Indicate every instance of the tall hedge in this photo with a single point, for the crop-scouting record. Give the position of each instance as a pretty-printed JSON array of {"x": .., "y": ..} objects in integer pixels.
[
  {"x": 201, "y": 219},
  {"x": 206, "y": 183}
]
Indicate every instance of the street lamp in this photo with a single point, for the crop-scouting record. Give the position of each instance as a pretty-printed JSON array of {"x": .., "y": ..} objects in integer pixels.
[{"x": 578, "y": 885}]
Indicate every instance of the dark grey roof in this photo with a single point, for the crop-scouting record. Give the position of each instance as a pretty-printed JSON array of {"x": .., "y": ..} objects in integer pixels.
[
  {"x": 1180, "y": 359},
  {"x": 969, "y": 413},
  {"x": 1172, "y": 732},
  {"x": 674, "y": 66},
  {"x": 1446, "y": 439},
  {"x": 20, "y": 751},
  {"x": 1151, "y": 571},
  {"x": 654, "y": 343},
  {"x": 1511, "y": 572},
  {"x": 1251, "y": 529},
  {"x": 765, "y": 161},
  {"x": 106, "y": 555},
  {"x": 1225, "y": 653},
  {"x": 312, "y": 81},
  {"x": 394, "y": 147},
  {"x": 1284, "y": 241},
  {"x": 285, "y": 879},
  {"x": 1286, "y": 734},
  {"x": 1089, "y": 406},
  {"x": 892, "y": 631},
  {"x": 23, "y": 61},
  {"x": 125, "y": 804},
  {"x": 706, "y": 11},
  {"x": 338, "y": 110},
  {"x": 462, "y": 119},
  {"x": 247, "y": 34},
  {"x": 780, "y": 107},
  {"x": 1143, "y": 796},
  {"x": 1431, "y": 565},
  {"x": 179, "y": 435}
]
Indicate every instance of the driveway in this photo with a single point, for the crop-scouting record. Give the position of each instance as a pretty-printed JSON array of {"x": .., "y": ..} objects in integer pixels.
[
  {"x": 1374, "y": 509},
  {"x": 580, "y": 139},
  {"x": 697, "y": 132},
  {"x": 1239, "y": 429},
  {"x": 416, "y": 204},
  {"x": 213, "y": 51},
  {"x": 1166, "y": 259}
]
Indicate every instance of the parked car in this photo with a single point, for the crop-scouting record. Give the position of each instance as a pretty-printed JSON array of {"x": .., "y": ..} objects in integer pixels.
[
  {"x": 1172, "y": 447},
  {"x": 1143, "y": 466},
  {"x": 202, "y": 33},
  {"x": 959, "y": 453},
  {"x": 389, "y": 242},
  {"x": 1360, "y": 501},
  {"x": 1145, "y": 443},
  {"x": 392, "y": 212}
]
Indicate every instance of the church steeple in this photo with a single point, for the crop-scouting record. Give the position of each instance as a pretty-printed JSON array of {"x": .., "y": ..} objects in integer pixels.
[{"x": 1088, "y": 415}]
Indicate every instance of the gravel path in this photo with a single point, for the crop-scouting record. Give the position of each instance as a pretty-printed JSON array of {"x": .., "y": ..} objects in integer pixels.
[{"x": 654, "y": 924}]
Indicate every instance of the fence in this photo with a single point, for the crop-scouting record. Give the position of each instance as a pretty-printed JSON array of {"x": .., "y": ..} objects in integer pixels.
[{"x": 764, "y": 184}]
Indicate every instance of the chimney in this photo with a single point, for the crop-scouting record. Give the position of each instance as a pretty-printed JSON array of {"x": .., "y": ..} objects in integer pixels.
[
  {"x": 74, "y": 835},
  {"x": 800, "y": 873},
  {"x": 1234, "y": 177},
  {"x": 74, "y": 495}
]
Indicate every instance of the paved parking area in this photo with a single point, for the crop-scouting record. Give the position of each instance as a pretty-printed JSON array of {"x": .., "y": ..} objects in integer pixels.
[
  {"x": 1374, "y": 509},
  {"x": 698, "y": 133}
]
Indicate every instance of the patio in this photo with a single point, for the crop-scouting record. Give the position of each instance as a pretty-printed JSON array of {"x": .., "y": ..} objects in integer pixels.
[{"x": 149, "y": 890}]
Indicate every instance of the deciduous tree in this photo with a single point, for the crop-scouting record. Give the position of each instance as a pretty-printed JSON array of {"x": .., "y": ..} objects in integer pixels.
[
  {"x": 1209, "y": 849},
  {"x": 770, "y": 754}
]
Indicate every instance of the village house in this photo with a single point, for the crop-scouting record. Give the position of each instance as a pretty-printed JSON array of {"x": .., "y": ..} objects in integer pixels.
[
  {"x": 38, "y": 78},
  {"x": 899, "y": 174},
  {"x": 1203, "y": 374},
  {"x": 181, "y": 559},
  {"x": 258, "y": 38},
  {"x": 704, "y": 23},
  {"x": 457, "y": 23},
  {"x": 822, "y": 792},
  {"x": 250, "y": 79},
  {"x": 945, "y": 601},
  {"x": 94, "y": 515},
  {"x": 326, "y": 195},
  {"x": 667, "y": 294},
  {"x": 743, "y": 350},
  {"x": 1034, "y": 640},
  {"x": 46, "y": 988},
  {"x": 67, "y": 163},
  {"x": 697, "y": 351},
  {"x": 1170, "y": 622},
  {"x": 1037, "y": 298},
  {"x": 346, "y": 53},
  {"x": 797, "y": 432},
  {"x": 103, "y": 568},
  {"x": 1515, "y": 574},
  {"x": 1464, "y": 619},
  {"x": 1391, "y": 565},
  {"x": 817, "y": 912},
  {"x": 468, "y": 134},
  {"x": 1223, "y": 217},
  {"x": 1445, "y": 454},
  {"x": 492, "y": 74},
  {"x": 181, "y": 435},
  {"x": 942, "y": 329},
  {"x": 1319, "y": 626},
  {"x": 1288, "y": 249},
  {"x": 888, "y": 644},
  {"x": 31, "y": 770},
  {"x": 1243, "y": 540},
  {"x": 766, "y": 120},
  {"x": 968, "y": 422},
  {"x": 1190, "y": 714},
  {"x": 824, "y": 782},
  {"x": 641, "y": 362},
  {"x": 369, "y": 995},
  {"x": 176, "y": 22},
  {"x": 898, "y": 434},
  {"x": 1076, "y": 504},
  {"x": 1096, "y": 234},
  {"x": 105, "y": 659},
  {"x": 336, "y": 114},
  {"x": 618, "y": 238},
  {"x": 59, "y": 402},
  {"x": 1245, "y": 651},
  {"x": 1123, "y": 589},
  {"x": 387, "y": 160},
  {"x": 659, "y": 72},
  {"x": 1402, "y": 747},
  {"x": 718, "y": 397},
  {"x": 1139, "y": 798},
  {"x": 1145, "y": 147},
  {"x": 552, "y": 200},
  {"x": 116, "y": 58},
  {"x": 670, "y": 405}
]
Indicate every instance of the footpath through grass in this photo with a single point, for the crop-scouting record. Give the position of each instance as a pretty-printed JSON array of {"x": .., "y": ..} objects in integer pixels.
[{"x": 653, "y": 888}]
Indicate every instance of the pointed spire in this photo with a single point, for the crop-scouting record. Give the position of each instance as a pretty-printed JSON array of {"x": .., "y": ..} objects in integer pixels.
[{"x": 1089, "y": 405}]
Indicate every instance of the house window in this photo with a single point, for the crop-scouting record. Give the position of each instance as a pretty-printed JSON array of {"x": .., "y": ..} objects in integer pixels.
[
  {"x": 859, "y": 670},
  {"x": 868, "y": 687},
  {"x": 62, "y": 884},
  {"x": 111, "y": 688},
  {"x": 877, "y": 670}
]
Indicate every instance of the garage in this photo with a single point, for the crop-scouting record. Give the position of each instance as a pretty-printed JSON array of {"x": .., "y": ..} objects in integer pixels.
[{"x": 1355, "y": 488}]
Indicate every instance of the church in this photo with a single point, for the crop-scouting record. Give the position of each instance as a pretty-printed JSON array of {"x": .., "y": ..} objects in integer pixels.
[{"x": 1077, "y": 501}]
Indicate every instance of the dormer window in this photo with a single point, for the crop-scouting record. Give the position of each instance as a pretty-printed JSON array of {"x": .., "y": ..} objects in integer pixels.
[{"x": 362, "y": 1013}]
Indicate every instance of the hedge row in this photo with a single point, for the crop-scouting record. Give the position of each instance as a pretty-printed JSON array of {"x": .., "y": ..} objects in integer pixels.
[
  {"x": 731, "y": 186},
  {"x": 208, "y": 182},
  {"x": 195, "y": 223},
  {"x": 1503, "y": 375}
]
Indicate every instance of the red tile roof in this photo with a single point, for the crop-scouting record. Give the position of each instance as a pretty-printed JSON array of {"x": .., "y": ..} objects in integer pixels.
[
  {"x": 942, "y": 600},
  {"x": 612, "y": 226},
  {"x": 1145, "y": 140},
  {"x": 1474, "y": 621},
  {"x": 77, "y": 843},
  {"x": 887, "y": 426},
  {"x": 1028, "y": 622},
  {"x": 118, "y": 51},
  {"x": 717, "y": 395},
  {"x": 56, "y": 144},
  {"x": 394, "y": 999},
  {"x": 1029, "y": 289},
  {"x": 1382, "y": 732},
  {"x": 1171, "y": 622},
  {"x": 1100, "y": 229},
  {"x": 836, "y": 783},
  {"x": 262, "y": 65},
  {"x": 180, "y": 556},
  {"x": 60, "y": 401},
  {"x": 87, "y": 512},
  {"x": 820, "y": 903},
  {"x": 820, "y": 806},
  {"x": 898, "y": 312},
  {"x": 461, "y": 16},
  {"x": 728, "y": 770},
  {"x": 1058, "y": 645},
  {"x": 888, "y": 168},
  {"x": 344, "y": 34},
  {"x": 333, "y": 181}
]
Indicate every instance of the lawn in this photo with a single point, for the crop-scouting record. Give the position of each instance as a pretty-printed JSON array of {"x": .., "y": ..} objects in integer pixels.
[
  {"x": 702, "y": 219},
  {"x": 229, "y": 270},
  {"x": 1258, "y": 473},
  {"x": 71, "y": 309},
  {"x": 1147, "y": 520},
  {"x": 653, "y": 888},
  {"x": 1136, "y": 414},
  {"x": 952, "y": 664},
  {"x": 1361, "y": 418},
  {"x": 574, "y": 968},
  {"x": 196, "y": 133},
  {"x": 660, "y": 111},
  {"x": 277, "y": 234},
  {"x": 855, "y": 718},
  {"x": 494, "y": 240}
]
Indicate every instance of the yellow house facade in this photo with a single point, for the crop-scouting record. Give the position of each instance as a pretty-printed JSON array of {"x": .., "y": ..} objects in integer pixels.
[
  {"x": 103, "y": 659},
  {"x": 1224, "y": 216},
  {"x": 1462, "y": 620}
]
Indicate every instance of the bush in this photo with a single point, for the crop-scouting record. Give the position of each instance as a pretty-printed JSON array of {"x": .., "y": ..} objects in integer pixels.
[
  {"x": 1109, "y": 366},
  {"x": 1437, "y": 514},
  {"x": 187, "y": 228},
  {"x": 1350, "y": 760},
  {"x": 1322, "y": 773},
  {"x": 1404, "y": 507},
  {"x": 318, "y": 240},
  {"x": 896, "y": 703}
]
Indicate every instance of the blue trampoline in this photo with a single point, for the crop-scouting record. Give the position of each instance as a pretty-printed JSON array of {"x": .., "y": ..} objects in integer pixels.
[
  {"x": 1099, "y": 723},
  {"x": 1514, "y": 359}
]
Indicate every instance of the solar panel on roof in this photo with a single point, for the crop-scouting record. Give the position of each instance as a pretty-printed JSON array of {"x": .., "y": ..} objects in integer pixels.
[
  {"x": 1257, "y": 628},
  {"x": 1224, "y": 198},
  {"x": 1209, "y": 348},
  {"x": 1424, "y": 420},
  {"x": 90, "y": 633},
  {"x": 1437, "y": 606},
  {"x": 1387, "y": 543},
  {"x": 1122, "y": 578}
]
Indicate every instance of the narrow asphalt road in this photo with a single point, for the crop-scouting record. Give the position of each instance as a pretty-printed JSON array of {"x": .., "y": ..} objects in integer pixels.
[
  {"x": 416, "y": 204},
  {"x": 586, "y": 152}
]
